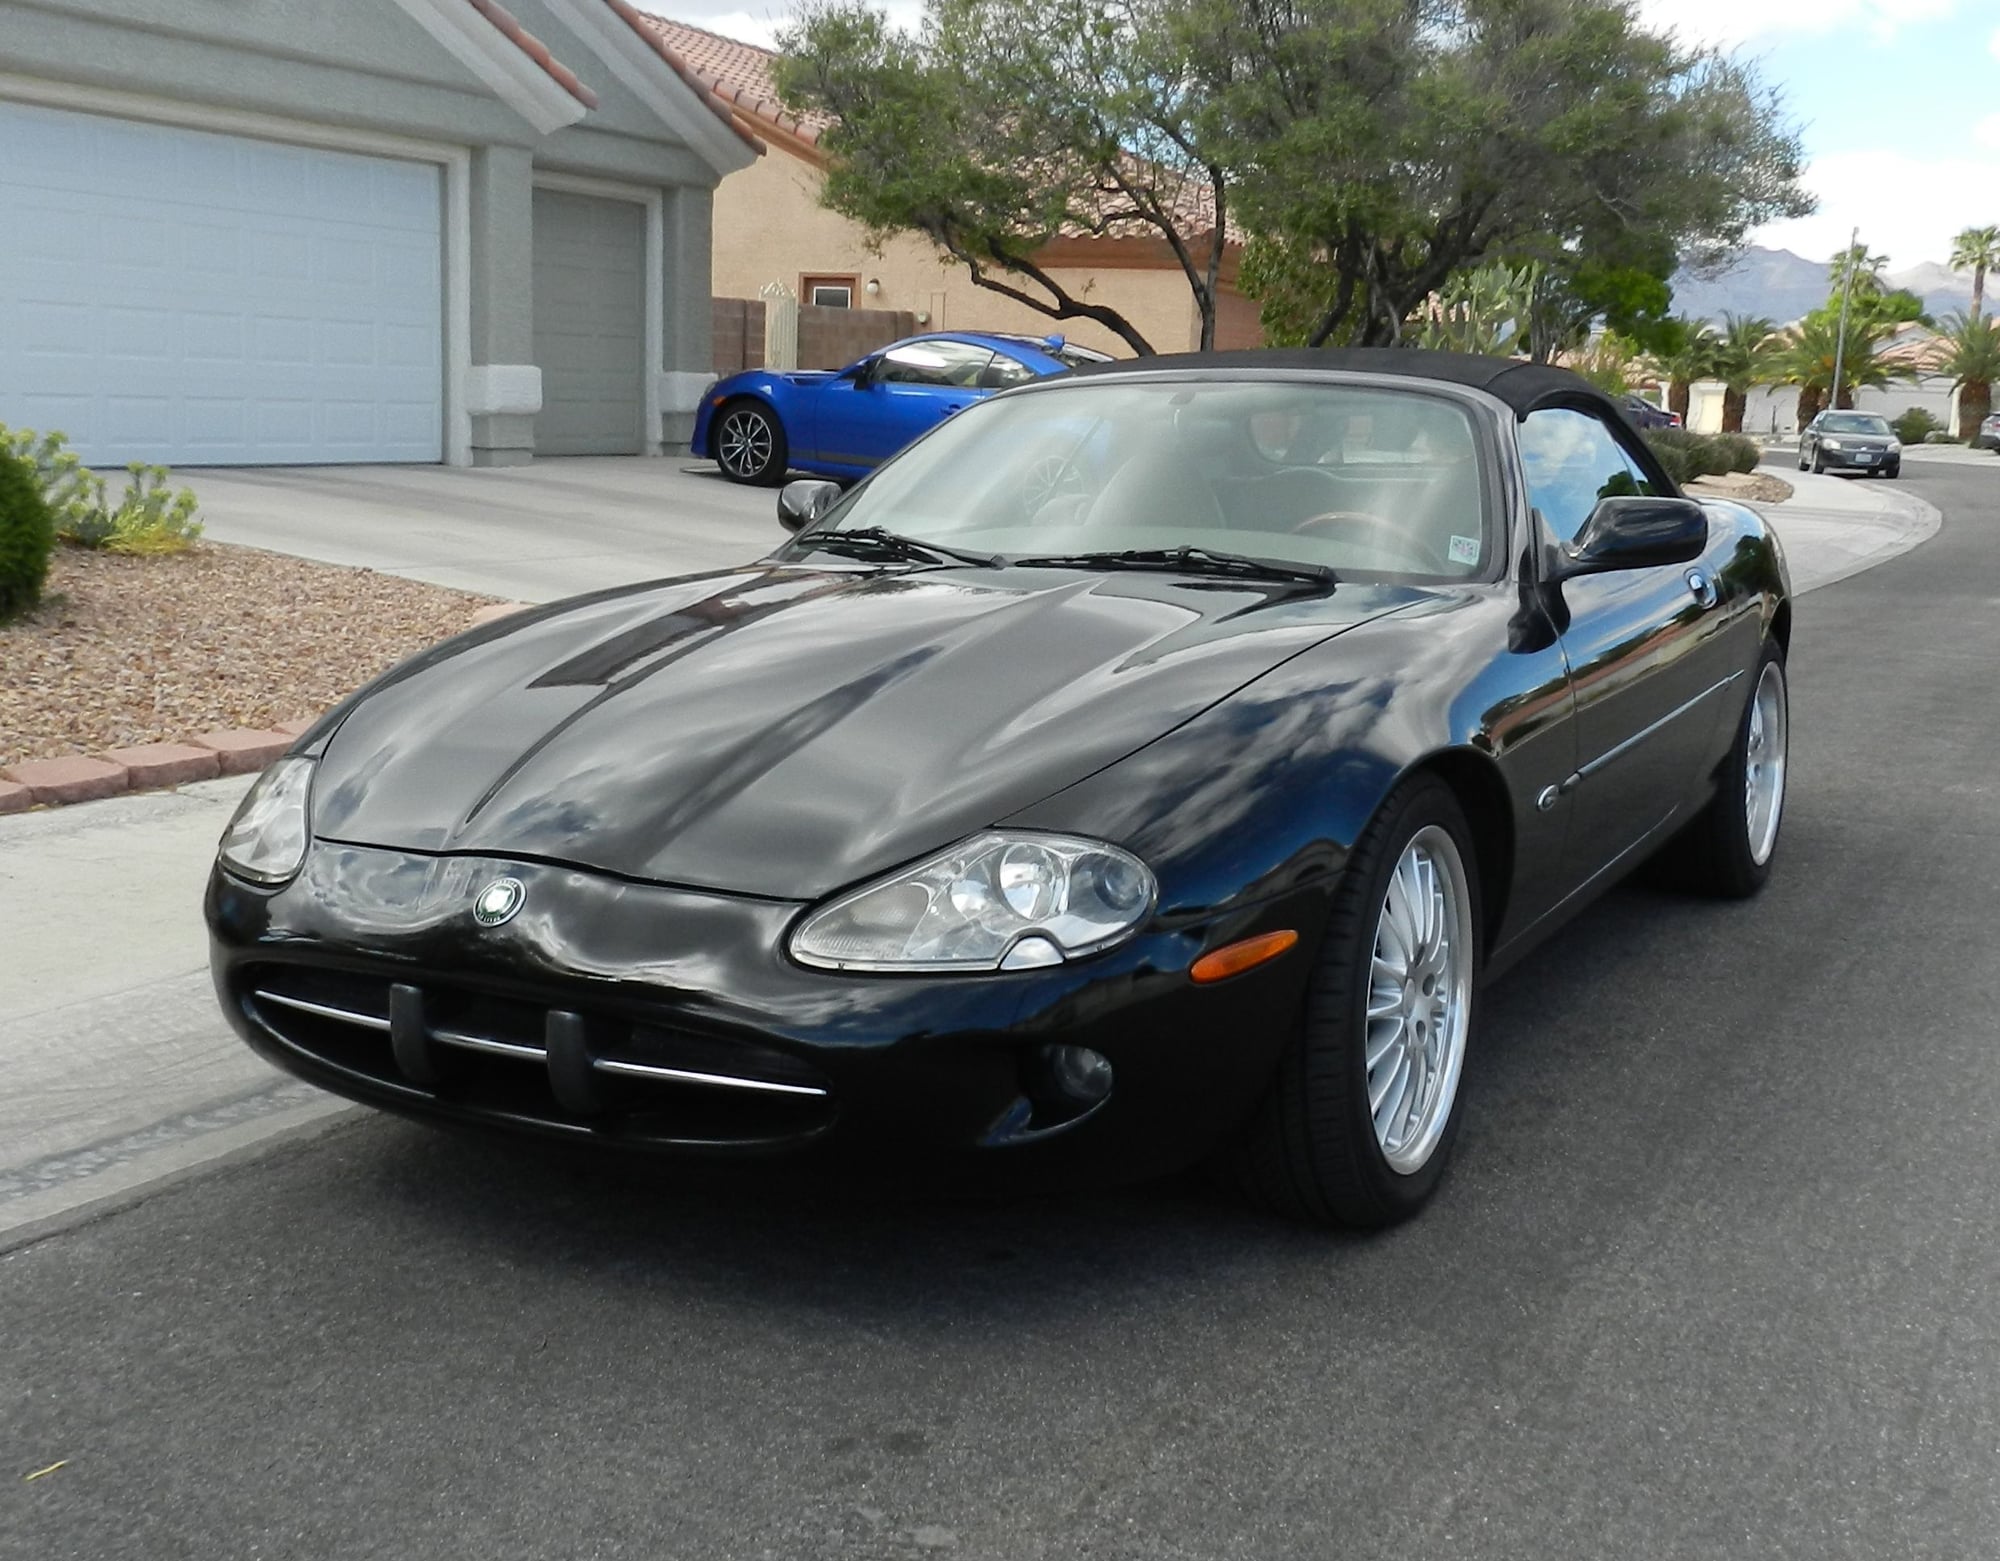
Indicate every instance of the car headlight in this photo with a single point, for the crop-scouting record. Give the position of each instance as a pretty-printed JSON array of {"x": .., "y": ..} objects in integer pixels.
[
  {"x": 267, "y": 838},
  {"x": 1012, "y": 901},
  {"x": 1895, "y": 447},
  {"x": 1829, "y": 444}
]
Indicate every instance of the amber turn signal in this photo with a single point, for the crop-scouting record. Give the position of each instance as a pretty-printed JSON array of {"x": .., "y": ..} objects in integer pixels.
[{"x": 1232, "y": 959}]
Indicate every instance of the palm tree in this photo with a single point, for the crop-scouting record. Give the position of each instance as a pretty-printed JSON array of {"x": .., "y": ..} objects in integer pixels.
[
  {"x": 1693, "y": 359},
  {"x": 1805, "y": 358},
  {"x": 1745, "y": 355},
  {"x": 1972, "y": 359},
  {"x": 1977, "y": 250},
  {"x": 1867, "y": 271}
]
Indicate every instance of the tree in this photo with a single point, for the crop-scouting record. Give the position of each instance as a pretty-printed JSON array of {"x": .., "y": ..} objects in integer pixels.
[
  {"x": 1484, "y": 310},
  {"x": 1008, "y": 124},
  {"x": 1972, "y": 358},
  {"x": 1691, "y": 354},
  {"x": 1866, "y": 270},
  {"x": 1745, "y": 355},
  {"x": 1383, "y": 145},
  {"x": 1977, "y": 250},
  {"x": 1806, "y": 352}
]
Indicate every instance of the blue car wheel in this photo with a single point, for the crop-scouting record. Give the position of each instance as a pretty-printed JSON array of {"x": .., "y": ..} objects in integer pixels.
[{"x": 749, "y": 443}]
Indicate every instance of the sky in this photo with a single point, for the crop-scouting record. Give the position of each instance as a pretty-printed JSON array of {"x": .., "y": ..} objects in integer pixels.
[{"x": 1898, "y": 102}]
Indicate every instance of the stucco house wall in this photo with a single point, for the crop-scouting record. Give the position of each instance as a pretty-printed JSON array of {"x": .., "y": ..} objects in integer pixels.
[{"x": 569, "y": 94}]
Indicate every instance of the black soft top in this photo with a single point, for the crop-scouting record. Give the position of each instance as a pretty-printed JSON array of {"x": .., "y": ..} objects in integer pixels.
[{"x": 1522, "y": 386}]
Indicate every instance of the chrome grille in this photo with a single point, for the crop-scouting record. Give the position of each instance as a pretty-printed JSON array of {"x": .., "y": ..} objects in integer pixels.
[{"x": 556, "y": 1066}]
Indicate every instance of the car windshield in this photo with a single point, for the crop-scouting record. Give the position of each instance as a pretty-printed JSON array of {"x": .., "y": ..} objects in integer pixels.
[
  {"x": 1853, "y": 423},
  {"x": 1368, "y": 480}
]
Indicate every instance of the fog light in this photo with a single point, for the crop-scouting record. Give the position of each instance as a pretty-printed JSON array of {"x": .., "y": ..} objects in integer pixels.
[{"x": 1081, "y": 1074}]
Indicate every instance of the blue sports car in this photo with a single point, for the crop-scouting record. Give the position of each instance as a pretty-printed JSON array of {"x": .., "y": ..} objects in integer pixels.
[{"x": 759, "y": 424}]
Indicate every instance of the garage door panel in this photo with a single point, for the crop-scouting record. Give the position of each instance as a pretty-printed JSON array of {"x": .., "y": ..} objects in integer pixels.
[
  {"x": 160, "y": 276},
  {"x": 590, "y": 329}
]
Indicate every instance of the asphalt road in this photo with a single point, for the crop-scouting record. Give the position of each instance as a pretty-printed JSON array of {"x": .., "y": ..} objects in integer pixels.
[{"x": 1714, "y": 1274}]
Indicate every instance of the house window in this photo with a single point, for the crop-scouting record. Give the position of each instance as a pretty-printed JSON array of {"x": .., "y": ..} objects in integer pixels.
[{"x": 829, "y": 292}]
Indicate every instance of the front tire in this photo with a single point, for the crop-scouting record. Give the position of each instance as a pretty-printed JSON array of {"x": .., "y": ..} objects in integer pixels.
[
  {"x": 1732, "y": 842},
  {"x": 1818, "y": 461},
  {"x": 749, "y": 443},
  {"x": 1361, "y": 1117}
]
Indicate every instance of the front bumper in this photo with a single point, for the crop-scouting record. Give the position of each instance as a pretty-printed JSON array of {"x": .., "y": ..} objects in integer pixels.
[
  {"x": 652, "y": 1018},
  {"x": 1860, "y": 460}
]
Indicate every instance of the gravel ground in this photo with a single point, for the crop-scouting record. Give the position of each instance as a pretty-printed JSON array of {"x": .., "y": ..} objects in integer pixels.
[
  {"x": 130, "y": 650},
  {"x": 1760, "y": 486}
]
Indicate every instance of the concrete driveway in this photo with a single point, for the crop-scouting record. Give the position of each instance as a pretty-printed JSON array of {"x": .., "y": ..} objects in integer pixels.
[
  {"x": 528, "y": 533},
  {"x": 557, "y": 527}
]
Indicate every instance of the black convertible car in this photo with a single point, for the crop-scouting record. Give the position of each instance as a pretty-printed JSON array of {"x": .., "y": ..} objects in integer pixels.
[{"x": 1148, "y": 765}]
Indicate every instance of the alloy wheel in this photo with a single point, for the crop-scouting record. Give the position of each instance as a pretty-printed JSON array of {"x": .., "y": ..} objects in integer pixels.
[
  {"x": 743, "y": 446},
  {"x": 1764, "y": 762},
  {"x": 1419, "y": 999}
]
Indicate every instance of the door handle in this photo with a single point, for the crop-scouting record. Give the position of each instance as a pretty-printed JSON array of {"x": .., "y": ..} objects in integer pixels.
[{"x": 1703, "y": 587}]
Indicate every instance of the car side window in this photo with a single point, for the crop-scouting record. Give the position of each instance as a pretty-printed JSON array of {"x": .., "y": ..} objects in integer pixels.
[
  {"x": 1571, "y": 460},
  {"x": 955, "y": 365},
  {"x": 1004, "y": 371}
]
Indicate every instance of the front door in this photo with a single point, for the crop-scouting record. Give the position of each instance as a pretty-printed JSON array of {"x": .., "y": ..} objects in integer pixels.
[
  {"x": 1645, "y": 655},
  {"x": 903, "y": 394}
]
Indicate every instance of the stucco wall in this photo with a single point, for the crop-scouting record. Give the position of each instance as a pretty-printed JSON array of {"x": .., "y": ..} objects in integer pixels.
[
  {"x": 770, "y": 227},
  {"x": 367, "y": 66}
]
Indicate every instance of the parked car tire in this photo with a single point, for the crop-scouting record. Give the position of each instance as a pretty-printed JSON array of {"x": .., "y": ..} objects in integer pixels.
[
  {"x": 1818, "y": 461},
  {"x": 1802, "y": 460},
  {"x": 1316, "y": 1150},
  {"x": 1728, "y": 849},
  {"x": 749, "y": 443},
  {"x": 1893, "y": 469}
]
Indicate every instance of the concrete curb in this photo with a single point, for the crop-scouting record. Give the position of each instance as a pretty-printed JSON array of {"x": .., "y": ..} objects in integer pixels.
[
  {"x": 1912, "y": 520},
  {"x": 45, "y": 783}
]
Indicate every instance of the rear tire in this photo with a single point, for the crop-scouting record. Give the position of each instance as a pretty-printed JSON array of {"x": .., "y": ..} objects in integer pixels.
[
  {"x": 1336, "y": 1142},
  {"x": 749, "y": 443},
  {"x": 1730, "y": 845}
]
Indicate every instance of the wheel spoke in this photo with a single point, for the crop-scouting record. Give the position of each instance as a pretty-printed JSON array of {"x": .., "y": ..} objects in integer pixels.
[
  {"x": 1383, "y": 1102},
  {"x": 1379, "y": 1046}
]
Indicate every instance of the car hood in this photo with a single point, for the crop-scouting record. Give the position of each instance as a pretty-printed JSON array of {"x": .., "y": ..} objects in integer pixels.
[{"x": 783, "y": 731}]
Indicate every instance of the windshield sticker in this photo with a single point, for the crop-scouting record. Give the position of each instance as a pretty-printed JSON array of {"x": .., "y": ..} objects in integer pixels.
[{"x": 1465, "y": 550}]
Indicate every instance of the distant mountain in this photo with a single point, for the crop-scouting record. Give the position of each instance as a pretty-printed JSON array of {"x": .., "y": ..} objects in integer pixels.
[{"x": 1781, "y": 286}]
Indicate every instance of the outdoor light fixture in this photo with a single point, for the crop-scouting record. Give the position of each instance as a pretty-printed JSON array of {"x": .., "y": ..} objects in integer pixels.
[{"x": 872, "y": 286}]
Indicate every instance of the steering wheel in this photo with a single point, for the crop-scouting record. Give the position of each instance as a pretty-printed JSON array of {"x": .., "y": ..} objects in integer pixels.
[
  {"x": 1378, "y": 532},
  {"x": 1047, "y": 479}
]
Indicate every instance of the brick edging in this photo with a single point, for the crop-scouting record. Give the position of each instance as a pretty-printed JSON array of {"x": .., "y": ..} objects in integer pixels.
[{"x": 238, "y": 750}]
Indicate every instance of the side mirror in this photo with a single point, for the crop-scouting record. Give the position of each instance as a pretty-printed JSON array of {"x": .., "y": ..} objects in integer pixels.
[
  {"x": 862, "y": 373},
  {"x": 803, "y": 502},
  {"x": 1634, "y": 533}
]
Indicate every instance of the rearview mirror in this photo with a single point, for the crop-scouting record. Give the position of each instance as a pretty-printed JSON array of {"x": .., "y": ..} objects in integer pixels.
[
  {"x": 803, "y": 502},
  {"x": 1634, "y": 533}
]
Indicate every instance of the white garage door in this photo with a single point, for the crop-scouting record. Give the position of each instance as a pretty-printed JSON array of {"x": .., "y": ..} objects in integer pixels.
[{"x": 172, "y": 295}]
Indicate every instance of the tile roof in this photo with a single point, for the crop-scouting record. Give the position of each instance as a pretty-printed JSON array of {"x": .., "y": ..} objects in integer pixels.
[
  {"x": 668, "y": 49},
  {"x": 736, "y": 74},
  {"x": 535, "y": 49}
]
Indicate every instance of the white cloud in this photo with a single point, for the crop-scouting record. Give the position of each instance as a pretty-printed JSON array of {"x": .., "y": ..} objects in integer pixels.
[
  {"x": 1731, "y": 22},
  {"x": 1987, "y": 132},
  {"x": 761, "y": 26},
  {"x": 1906, "y": 207}
]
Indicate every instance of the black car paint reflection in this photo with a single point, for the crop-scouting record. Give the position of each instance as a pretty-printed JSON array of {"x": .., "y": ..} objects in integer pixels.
[{"x": 680, "y": 772}]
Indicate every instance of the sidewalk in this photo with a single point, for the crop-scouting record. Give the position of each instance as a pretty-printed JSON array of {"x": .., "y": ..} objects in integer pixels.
[{"x": 1833, "y": 527}]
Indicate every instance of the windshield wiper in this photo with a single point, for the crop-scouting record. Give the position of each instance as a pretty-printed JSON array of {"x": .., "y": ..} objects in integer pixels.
[
  {"x": 1189, "y": 560},
  {"x": 877, "y": 540}
]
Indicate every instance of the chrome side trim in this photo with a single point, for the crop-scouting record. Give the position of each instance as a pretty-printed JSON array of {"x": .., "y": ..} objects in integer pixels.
[
  {"x": 1584, "y": 772},
  {"x": 485, "y": 1043},
  {"x": 647, "y": 1070},
  {"x": 322, "y": 1010}
]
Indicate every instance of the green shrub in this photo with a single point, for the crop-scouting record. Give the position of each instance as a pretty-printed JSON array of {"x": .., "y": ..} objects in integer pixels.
[
  {"x": 1914, "y": 425},
  {"x": 70, "y": 489},
  {"x": 1741, "y": 453},
  {"x": 1675, "y": 459},
  {"x": 1688, "y": 455},
  {"x": 148, "y": 519},
  {"x": 27, "y": 536}
]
